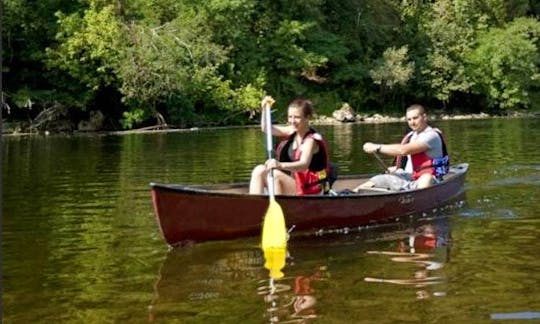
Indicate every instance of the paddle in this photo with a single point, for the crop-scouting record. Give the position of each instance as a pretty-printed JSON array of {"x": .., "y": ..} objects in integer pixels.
[
  {"x": 381, "y": 162},
  {"x": 385, "y": 168},
  {"x": 274, "y": 232}
]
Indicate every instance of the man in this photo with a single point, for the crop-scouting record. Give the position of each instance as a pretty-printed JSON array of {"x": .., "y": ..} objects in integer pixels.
[{"x": 425, "y": 153}]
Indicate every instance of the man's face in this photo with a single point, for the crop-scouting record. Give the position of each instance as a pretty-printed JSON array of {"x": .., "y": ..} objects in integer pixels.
[{"x": 417, "y": 121}]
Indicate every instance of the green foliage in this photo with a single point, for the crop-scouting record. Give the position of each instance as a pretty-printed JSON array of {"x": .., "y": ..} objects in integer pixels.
[
  {"x": 505, "y": 64},
  {"x": 176, "y": 66},
  {"x": 326, "y": 102},
  {"x": 168, "y": 61},
  {"x": 133, "y": 117},
  {"x": 27, "y": 28},
  {"x": 451, "y": 32},
  {"x": 210, "y": 62},
  {"x": 88, "y": 49},
  {"x": 394, "y": 69}
]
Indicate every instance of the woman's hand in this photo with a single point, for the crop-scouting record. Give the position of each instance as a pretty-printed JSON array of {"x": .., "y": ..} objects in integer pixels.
[
  {"x": 272, "y": 164},
  {"x": 267, "y": 100}
]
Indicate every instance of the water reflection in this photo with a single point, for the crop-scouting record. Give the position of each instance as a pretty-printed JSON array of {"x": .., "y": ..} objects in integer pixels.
[
  {"x": 80, "y": 243},
  {"x": 427, "y": 249},
  {"x": 202, "y": 282},
  {"x": 286, "y": 304},
  {"x": 274, "y": 262}
]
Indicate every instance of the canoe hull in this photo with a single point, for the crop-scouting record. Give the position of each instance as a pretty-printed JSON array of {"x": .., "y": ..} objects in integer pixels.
[{"x": 198, "y": 214}]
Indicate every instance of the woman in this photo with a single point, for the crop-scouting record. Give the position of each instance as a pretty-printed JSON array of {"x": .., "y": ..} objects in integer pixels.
[{"x": 301, "y": 166}]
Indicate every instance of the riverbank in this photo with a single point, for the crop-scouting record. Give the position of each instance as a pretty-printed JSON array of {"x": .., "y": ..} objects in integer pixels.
[
  {"x": 378, "y": 118},
  {"x": 22, "y": 128}
]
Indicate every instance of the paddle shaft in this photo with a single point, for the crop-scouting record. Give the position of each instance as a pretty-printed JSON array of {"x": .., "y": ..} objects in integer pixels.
[
  {"x": 381, "y": 162},
  {"x": 269, "y": 148}
]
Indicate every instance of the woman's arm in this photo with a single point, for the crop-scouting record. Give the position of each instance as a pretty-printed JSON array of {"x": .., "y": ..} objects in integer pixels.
[{"x": 277, "y": 130}]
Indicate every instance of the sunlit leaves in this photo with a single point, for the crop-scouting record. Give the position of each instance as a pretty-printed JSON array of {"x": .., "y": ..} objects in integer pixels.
[
  {"x": 505, "y": 64},
  {"x": 394, "y": 69},
  {"x": 162, "y": 61},
  {"x": 216, "y": 58},
  {"x": 451, "y": 28},
  {"x": 89, "y": 46}
]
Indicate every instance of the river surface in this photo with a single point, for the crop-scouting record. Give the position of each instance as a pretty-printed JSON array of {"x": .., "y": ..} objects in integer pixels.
[{"x": 80, "y": 243}]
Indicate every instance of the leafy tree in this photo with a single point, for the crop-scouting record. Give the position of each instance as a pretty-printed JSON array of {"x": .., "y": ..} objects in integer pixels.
[
  {"x": 89, "y": 46},
  {"x": 505, "y": 64},
  {"x": 365, "y": 30},
  {"x": 27, "y": 29},
  {"x": 175, "y": 67},
  {"x": 192, "y": 62},
  {"x": 393, "y": 71},
  {"x": 451, "y": 33}
]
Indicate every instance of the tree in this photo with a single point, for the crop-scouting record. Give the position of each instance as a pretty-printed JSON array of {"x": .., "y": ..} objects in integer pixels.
[
  {"x": 393, "y": 71},
  {"x": 505, "y": 64},
  {"x": 28, "y": 28},
  {"x": 89, "y": 46},
  {"x": 174, "y": 67},
  {"x": 451, "y": 32}
]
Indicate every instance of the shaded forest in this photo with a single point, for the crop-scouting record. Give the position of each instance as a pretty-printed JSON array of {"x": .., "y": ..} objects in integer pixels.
[{"x": 207, "y": 63}]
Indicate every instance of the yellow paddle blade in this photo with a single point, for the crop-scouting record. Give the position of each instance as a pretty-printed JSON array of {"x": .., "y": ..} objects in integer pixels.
[
  {"x": 275, "y": 261},
  {"x": 274, "y": 232}
]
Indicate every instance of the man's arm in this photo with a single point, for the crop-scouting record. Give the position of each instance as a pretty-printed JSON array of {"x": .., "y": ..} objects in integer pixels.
[{"x": 396, "y": 149}]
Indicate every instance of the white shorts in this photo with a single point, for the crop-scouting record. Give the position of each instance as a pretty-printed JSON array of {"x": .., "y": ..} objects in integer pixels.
[{"x": 399, "y": 180}]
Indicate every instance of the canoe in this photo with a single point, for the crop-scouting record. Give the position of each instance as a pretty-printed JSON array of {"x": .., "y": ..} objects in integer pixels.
[{"x": 200, "y": 213}]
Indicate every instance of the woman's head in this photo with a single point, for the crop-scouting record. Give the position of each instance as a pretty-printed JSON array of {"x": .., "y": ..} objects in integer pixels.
[
  {"x": 299, "y": 113},
  {"x": 305, "y": 106}
]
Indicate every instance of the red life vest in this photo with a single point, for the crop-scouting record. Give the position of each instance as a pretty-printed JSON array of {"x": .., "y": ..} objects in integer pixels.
[
  {"x": 313, "y": 180},
  {"x": 423, "y": 163}
]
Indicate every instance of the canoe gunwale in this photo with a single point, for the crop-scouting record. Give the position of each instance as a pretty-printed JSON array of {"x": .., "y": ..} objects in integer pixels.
[{"x": 219, "y": 189}]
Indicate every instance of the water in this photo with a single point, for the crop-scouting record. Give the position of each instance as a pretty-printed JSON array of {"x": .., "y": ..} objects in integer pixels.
[{"x": 80, "y": 243}]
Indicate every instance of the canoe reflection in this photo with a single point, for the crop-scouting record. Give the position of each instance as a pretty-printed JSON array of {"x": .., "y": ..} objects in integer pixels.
[
  {"x": 193, "y": 277},
  {"x": 232, "y": 281},
  {"x": 427, "y": 247},
  {"x": 205, "y": 282}
]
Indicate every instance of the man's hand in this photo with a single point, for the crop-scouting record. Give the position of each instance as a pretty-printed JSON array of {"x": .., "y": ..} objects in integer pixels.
[{"x": 370, "y": 147}]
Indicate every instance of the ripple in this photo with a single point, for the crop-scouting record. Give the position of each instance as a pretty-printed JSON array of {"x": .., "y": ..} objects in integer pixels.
[
  {"x": 513, "y": 316},
  {"x": 469, "y": 213}
]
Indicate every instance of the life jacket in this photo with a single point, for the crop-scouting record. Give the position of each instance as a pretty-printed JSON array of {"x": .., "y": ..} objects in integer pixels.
[
  {"x": 318, "y": 176},
  {"x": 422, "y": 163}
]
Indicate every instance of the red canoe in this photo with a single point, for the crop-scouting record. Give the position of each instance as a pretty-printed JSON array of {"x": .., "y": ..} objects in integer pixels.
[{"x": 226, "y": 211}]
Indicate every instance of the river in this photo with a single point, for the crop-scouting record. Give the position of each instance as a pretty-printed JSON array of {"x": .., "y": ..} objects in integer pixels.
[{"x": 80, "y": 243}]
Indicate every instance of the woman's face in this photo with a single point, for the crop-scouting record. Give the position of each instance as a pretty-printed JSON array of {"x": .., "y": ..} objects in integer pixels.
[{"x": 296, "y": 118}]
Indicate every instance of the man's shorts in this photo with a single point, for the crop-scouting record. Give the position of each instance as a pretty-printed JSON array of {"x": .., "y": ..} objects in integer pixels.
[{"x": 394, "y": 181}]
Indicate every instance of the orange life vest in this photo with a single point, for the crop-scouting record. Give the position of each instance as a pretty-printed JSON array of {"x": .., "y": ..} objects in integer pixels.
[
  {"x": 315, "y": 179},
  {"x": 422, "y": 163}
]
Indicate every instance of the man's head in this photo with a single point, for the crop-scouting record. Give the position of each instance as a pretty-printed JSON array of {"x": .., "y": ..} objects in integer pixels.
[{"x": 416, "y": 117}]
